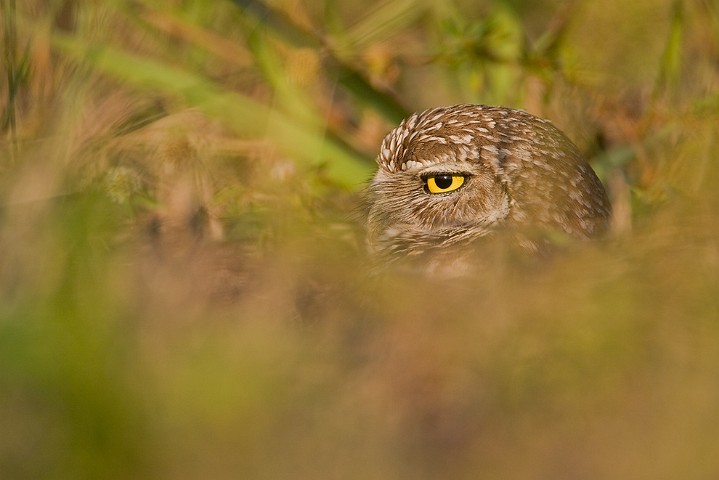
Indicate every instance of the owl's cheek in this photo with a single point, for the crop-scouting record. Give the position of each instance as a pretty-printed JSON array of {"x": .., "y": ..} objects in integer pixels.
[{"x": 481, "y": 206}]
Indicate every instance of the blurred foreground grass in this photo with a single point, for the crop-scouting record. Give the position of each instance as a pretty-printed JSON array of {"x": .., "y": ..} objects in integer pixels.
[{"x": 183, "y": 292}]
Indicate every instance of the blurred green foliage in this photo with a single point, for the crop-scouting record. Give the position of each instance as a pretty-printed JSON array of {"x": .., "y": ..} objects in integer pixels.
[{"x": 183, "y": 292}]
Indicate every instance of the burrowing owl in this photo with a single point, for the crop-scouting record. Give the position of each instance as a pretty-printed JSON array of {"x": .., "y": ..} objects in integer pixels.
[{"x": 450, "y": 175}]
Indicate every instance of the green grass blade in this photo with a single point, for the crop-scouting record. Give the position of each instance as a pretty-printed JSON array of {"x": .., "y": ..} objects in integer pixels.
[{"x": 305, "y": 143}]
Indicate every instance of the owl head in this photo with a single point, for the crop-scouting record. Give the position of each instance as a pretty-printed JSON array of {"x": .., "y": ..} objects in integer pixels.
[{"x": 450, "y": 175}]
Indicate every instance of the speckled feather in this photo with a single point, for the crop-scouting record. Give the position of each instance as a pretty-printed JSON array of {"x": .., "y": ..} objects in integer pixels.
[{"x": 522, "y": 172}]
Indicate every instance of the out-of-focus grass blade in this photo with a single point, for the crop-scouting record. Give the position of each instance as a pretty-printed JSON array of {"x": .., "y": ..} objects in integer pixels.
[
  {"x": 388, "y": 17},
  {"x": 173, "y": 24},
  {"x": 16, "y": 71},
  {"x": 671, "y": 63},
  {"x": 242, "y": 113},
  {"x": 291, "y": 98},
  {"x": 280, "y": 23},
  {"x": 347, "y": 75},
  {"x": 545, "y": 50}
]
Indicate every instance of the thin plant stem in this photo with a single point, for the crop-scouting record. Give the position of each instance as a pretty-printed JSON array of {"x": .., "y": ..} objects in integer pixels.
[{"x": 10, "y": 41}]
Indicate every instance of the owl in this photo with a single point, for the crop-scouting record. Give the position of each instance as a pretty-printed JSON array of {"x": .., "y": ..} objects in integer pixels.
[{"x": 452, "y": 175}]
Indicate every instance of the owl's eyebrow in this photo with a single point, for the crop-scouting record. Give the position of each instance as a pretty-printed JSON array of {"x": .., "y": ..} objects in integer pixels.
[
  {"x": 448, "y": 167},
  {"x": 426, "y": 175}
]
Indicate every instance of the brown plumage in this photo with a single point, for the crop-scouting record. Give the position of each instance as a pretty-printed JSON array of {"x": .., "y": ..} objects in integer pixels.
[{"x": 489, "y": 167}]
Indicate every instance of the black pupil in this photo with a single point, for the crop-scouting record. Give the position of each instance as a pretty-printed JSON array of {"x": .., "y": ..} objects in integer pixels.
[{"x": 443, "y": 181}]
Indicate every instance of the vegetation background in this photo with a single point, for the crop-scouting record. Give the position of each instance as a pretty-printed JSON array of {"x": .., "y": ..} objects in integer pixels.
[{"x": 183, "y": 292}]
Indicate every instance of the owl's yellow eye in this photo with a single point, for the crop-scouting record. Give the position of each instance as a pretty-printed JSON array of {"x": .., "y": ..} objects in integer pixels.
[{"x": 444, "y": 183}]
